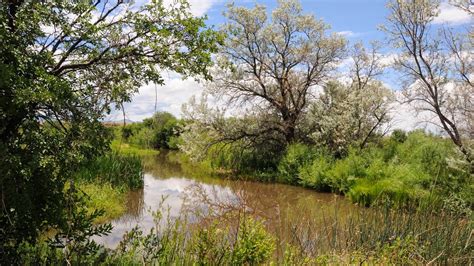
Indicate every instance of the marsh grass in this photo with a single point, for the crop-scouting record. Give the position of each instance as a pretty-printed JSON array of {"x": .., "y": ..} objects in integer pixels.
[
  {"x": 116, "y": 169},
  {"x": 106, "y": 181},
  {"x": 375, "y": 236},
  {"x": 378, "y": 236},
  {"x": 385, "y": 235}
]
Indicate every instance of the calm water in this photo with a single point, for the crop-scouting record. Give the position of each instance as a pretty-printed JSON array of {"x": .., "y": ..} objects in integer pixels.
[{"x": 179, "y": 187}]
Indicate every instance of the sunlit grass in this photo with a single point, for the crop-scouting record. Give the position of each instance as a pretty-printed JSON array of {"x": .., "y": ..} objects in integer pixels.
[
  {"x": 127, "y": 149},
  {"x": 104, "y": 196}
]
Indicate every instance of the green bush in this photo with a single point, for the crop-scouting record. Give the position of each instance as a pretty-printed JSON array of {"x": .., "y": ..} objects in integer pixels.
[
  {"x": 316, "y": 175},
  {"x": 345, "y": 172},
  {"x": 295, "y": 157},
  {"x": 258, "y": 162},
  {"x": 399, "y": 136},
  {"x": 253, "y": 245}
]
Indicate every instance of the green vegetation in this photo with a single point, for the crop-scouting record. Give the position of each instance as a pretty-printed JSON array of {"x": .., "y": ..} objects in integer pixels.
[
  {"x": 115, "y": 169},
  {"x": 56, "y": 88},
  {"x": 105, "y": 197},
  {"x": 106, "y": 181},
  {"x": 381, "y": 236},
  {"x": 127, "y": 149},
  {"x": 161, "y": 131},
  {"x": 403, "y": 170},
  {"x": 298, "y": 125}
]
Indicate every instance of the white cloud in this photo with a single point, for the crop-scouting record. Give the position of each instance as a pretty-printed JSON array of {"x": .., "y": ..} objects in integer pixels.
[
  {"x": 406, "y": 117},
  {"x": 348, "y": 33},
  {"x": 198, "y": 7},
  {"x": 169, "y": 97},
  {"x": 388, "y": 59},
  {"x": 452, "y": 15}
]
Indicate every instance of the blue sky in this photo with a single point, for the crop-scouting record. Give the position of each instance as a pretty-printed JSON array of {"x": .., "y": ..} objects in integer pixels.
[{"x": 357, "y": 20}]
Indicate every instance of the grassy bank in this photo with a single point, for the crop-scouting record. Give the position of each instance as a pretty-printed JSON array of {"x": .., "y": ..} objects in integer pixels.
[
  {"x": 103, "y": 196},
  {"x": 382, "y": 236},
  {"x": 106, "y": 181},
  {"x": 402, "y": 170},
  {"x": 129, "y": 149}
]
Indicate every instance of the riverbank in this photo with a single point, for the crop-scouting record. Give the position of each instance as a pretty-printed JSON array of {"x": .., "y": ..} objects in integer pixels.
[
  {"x": 107, "y": 180},
  {"x": 184, "y": 216},
  {"x": 403, "y": 171}
]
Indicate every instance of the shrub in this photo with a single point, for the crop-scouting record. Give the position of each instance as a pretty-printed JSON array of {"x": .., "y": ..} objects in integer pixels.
[
  {"x": 345, "y": 172},
  {"x": 256, "y": 161},
  {"x": 316, "y": 175},
  {"x": 254, "y": 245},
  {"x": 296, "y": 156},
  {"x": 387, "y": 183},
  {"x": 399, "y": 136}
]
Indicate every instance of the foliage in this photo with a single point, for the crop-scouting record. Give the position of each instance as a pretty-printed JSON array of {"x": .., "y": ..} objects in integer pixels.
[
  {"x": 72, "y": 240},
  {"x": 63, "y": 64},
  {"x": 260, "y": 51},
  {"x": 161, "y": 131},
  {"x": 316, "y": 175},
  {"x": 352, "y": 113},
  {"x": 253, "y": 245},
  {"x": 380, "y": 235},
  {"x": 296, "y": 156},
  {"x": 105, "y": 197},
  {"x": 249, "y": 243},
  {"x": 115, "y": 169},
  {"x": 127, "y": 149},
  {"x": 436, "y": 67},
  {"x": 404, "y": 170}
]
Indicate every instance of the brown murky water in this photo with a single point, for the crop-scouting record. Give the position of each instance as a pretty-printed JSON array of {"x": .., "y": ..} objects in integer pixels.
[{"x": 182, "y": 186}]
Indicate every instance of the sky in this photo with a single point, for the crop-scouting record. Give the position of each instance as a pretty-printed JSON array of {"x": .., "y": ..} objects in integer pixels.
[{"x": 357, "y": 20}]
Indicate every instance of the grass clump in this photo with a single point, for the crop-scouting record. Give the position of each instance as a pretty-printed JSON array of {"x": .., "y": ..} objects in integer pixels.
[
  {"x": 129, "y": 149},
  {"x": 119, "y": 170},
  {"x": 106, "y": 180},
  {"x": 104, "y": 197}
]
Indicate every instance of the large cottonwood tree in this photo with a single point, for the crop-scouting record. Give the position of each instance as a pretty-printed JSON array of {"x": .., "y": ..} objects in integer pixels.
[{"x": 272, "y": 66}]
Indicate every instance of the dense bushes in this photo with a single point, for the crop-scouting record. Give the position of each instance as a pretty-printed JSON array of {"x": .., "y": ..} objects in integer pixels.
[
  {"x": 402, "y": 170},
  {"x": 158, "y": 132}
]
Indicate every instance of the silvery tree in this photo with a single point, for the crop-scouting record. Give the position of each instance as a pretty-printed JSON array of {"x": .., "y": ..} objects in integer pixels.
[
  {"x": 270, "y": 67},
  {"x": 351, "y": 112},
  {"x": 437, "y": 67}
]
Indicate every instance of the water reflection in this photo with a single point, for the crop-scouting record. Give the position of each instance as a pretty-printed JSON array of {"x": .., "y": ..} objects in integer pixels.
[{"x": 189, "y": 189}]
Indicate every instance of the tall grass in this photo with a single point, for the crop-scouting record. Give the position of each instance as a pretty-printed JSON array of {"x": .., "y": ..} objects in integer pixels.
[
  {"x": 129, "y": 149},
  {"x": 367, "y": 236},
  {"x": 116, "y": 169},
  {"x": 386, "y": 235},
  {"x": 104, "y": 197}
]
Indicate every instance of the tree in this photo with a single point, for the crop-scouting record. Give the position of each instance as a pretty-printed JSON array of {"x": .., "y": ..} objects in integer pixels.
[
  {"x": 165, "y": 129},
  {"x": 438, "y": 68},
  {"x": 271, "y": 67},
  {"x": 351, "y": 113},
  {"x": 62, "y": 65}
]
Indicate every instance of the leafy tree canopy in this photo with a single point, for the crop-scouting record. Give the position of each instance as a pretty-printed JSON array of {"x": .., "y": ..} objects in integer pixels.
[{"x": 63, "y": 64}]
